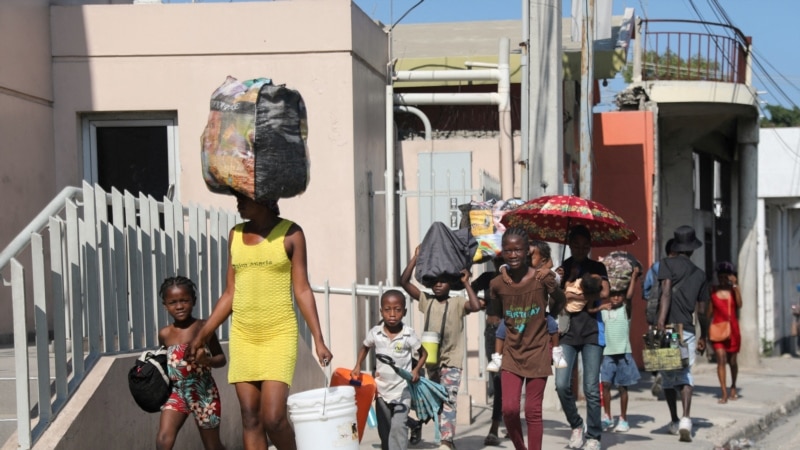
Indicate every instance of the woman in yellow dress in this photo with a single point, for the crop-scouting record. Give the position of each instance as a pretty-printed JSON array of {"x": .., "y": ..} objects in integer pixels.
[{"x": 267, "y": 262}]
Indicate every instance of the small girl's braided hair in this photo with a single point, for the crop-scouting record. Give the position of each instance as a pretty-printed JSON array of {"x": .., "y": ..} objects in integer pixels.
[{"x": 178, "y": 281}]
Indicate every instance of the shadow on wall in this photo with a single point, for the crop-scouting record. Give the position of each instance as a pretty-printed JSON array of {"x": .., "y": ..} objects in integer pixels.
[{"x": 103, "y": 411}]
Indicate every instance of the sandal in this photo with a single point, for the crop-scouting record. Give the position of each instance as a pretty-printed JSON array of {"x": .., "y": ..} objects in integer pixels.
[{"x": 491, "y": 439}]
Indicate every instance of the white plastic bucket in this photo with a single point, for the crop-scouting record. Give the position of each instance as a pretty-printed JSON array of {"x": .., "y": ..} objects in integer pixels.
[
  {"x": 430, "y": 340},
  {"x": 336, "y": 427}
]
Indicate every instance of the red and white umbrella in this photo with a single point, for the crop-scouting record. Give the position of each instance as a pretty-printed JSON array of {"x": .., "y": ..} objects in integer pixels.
[{"x": 549, "y": 218}]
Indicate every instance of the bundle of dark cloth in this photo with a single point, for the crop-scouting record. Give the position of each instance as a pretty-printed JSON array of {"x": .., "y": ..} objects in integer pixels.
[{"x": 445, "y": 253}]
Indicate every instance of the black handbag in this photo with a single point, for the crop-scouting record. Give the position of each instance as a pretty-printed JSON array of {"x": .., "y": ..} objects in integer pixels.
[{"x": 148, "y": 381}]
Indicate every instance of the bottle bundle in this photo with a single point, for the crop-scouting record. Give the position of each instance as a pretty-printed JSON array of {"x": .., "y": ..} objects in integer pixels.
[{"x": 654, "y": 339}]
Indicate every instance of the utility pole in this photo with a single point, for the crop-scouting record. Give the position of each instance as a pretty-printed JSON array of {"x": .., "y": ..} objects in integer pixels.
[
  {"x": 587, "y": 100},
  {"x": 545, "y": 159}
]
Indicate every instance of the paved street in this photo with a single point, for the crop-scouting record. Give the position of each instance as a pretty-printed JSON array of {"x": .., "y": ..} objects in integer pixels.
[{"x": 766, "y": 394}]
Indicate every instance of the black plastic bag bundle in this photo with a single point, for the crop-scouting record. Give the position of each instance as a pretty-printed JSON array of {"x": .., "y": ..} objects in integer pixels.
[
  {"x": 255, "y": 140},
  {"x": 148, "y": 381},
  {"x": 444, "y": 253}
]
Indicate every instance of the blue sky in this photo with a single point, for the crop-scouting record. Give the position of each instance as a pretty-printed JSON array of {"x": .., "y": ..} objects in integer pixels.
[{"x": 773, "y": 25}]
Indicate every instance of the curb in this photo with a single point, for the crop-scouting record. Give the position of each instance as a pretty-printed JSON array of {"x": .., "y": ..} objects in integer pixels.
[{"x": 753, "y": 427}]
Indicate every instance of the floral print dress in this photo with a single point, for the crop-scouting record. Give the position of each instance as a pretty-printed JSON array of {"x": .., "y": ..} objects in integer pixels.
[{"x": 193, "y": 389}]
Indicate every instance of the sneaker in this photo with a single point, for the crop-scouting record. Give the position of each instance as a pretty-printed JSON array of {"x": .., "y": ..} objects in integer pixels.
[
  {"x": 622, "y": 426},
  {"x": 607, "y": 423},
  {"x": 577, "y": 440},
  {"x": 656, "y": 390},
  {"x": 558, "y": 358},
  {"x": 685, "y": 429},
  {"x": 495, "y": 363},
  {"x": 592, "y": 444},
  {"x": 416, "y": 432},
  {"x": 673, "y": 427}
]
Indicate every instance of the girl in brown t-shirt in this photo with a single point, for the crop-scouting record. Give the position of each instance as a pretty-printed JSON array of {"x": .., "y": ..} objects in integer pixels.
[{"x": 526, "y": 354}]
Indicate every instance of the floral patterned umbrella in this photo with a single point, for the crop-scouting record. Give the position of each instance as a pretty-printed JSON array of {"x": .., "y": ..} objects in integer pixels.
[{"x": 550, "y": 217}]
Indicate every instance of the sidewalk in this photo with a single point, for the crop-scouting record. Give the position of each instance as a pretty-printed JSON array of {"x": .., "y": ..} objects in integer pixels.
[{"x": 765, "y": 394}]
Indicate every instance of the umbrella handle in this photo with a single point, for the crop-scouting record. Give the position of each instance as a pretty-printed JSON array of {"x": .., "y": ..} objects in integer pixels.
[
  {"x": 566, "y": 243},
  {"x": 386, "y": 359}
]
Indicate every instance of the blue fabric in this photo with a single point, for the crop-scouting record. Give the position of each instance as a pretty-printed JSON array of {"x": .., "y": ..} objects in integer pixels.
[
  {"x": 501, "y": 330},
  {"x": 601, "y": 326},
  {"x": 552, "y": 324},
  {"x": 592, "y": 356},
  {"x": 650, "y": 279},
  {"x": 619, "y": 370}
]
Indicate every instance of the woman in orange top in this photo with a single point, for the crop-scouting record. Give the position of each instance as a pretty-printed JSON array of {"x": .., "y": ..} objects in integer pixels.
[{"x": 726, "y": 300}]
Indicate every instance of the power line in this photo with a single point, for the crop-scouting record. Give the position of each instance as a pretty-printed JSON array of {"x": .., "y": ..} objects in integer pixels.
[{"x": 719, "y": 10}]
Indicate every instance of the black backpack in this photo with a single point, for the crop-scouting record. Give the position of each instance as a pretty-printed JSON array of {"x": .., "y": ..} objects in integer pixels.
[{"x": 148, "y": 380}]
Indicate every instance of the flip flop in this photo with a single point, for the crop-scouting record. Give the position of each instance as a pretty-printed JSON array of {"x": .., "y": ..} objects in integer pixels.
[{"x": 491, "y": 439}]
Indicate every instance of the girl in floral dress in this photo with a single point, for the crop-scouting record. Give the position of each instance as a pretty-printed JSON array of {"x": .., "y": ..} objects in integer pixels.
[{"x": 193, "y": 388}]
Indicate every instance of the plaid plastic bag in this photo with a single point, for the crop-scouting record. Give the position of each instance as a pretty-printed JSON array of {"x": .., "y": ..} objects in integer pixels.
[
  {"x": 619, "y": 266},
  {"x": 255, "y": 140}
]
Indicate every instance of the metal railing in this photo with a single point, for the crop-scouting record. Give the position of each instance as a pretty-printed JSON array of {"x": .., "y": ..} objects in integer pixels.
[
  {"x": 703, "y": 51},
  {"x": 84, "y": 278},
  {"x": 95, "y": 262}
]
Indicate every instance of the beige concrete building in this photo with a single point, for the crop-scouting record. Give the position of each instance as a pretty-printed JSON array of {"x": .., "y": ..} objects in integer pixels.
[{"x": 118, "y": 95}]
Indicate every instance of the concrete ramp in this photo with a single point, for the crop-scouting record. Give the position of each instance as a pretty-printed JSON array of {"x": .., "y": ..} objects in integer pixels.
[{"x": 102, "y": 413}]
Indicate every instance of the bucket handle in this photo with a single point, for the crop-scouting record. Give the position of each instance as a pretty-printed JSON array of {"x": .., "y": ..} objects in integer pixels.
[{"x": 327, "y": 386}]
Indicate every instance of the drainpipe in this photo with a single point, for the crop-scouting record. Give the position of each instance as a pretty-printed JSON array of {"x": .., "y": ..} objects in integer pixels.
[
  {"x": 504, "y": 119},
  {"x": 447, "y": 98},
  {"x": 389, "y": 184},
  {"x": 417, "y": 112},
  {"x": 524, "y": 100},
  {"x": 501, "y": 98}
]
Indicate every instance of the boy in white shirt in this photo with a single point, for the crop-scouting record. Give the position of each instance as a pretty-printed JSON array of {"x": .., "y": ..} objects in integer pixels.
[{"x": 398, "y": 341}]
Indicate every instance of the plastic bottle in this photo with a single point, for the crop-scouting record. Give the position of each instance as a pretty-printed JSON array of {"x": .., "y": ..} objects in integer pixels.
[{"x": 673, "y": 341}]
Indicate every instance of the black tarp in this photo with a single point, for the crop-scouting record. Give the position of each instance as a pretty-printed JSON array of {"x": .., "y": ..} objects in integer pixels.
[{"x": 445, "y": 252}]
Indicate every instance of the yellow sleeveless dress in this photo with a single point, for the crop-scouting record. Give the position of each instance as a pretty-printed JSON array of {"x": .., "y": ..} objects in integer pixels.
[{"x": 263, "y": 343}]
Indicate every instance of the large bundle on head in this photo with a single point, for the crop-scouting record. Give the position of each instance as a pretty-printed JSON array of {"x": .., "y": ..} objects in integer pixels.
[
  {"x": 619, "y": 265},
  {"x": 255, "y": 140},
  {"x": 443, "y": 254},
  {"x": 483, "y": 220}
]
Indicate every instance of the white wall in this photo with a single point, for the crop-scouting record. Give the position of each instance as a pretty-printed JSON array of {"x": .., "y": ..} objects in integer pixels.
[
  {"x": 26, "y": 148},
  {"x": 779, "y": 162},
  {"x": 779, "y": 190}
]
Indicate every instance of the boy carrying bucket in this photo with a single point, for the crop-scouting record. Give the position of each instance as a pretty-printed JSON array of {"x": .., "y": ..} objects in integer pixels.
[{"x": 444, "y": 314}]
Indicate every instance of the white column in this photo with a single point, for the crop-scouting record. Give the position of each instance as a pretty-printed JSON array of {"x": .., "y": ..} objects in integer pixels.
[{"x": 748, "y": 239}]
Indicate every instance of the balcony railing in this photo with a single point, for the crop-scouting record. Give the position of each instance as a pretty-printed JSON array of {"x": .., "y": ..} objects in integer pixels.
[{"x": 699, "y": 51}]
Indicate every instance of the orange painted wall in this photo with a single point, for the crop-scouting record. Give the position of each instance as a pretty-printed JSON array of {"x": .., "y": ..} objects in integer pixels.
[{"x": 622, "y": 180}]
